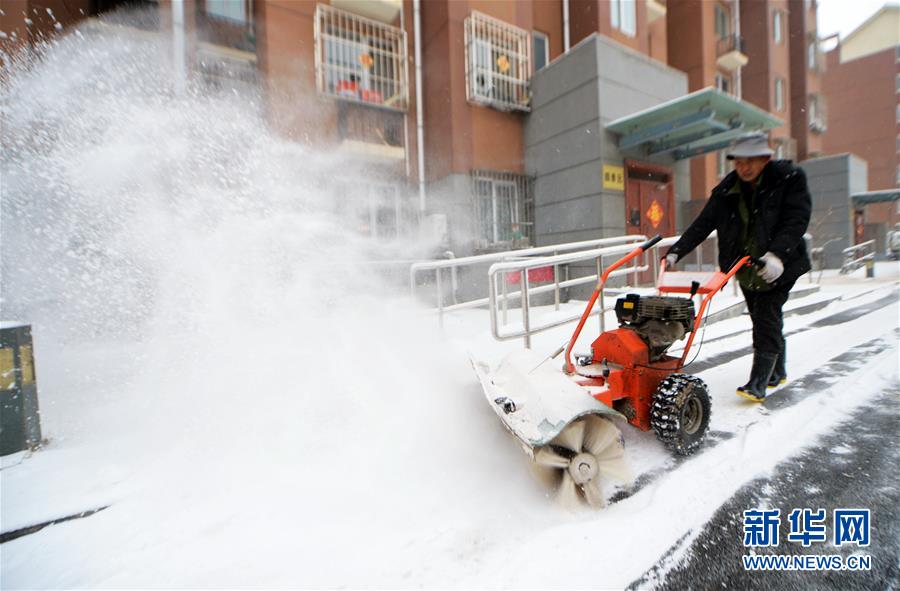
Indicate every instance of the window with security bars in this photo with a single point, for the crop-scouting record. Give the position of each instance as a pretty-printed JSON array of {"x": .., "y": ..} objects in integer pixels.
[
  {"x": 504, "y": 209},
  {"x": 372, "y": 209},
  {"x": 498, "y": 63},
  {"x": 360, "y": 59}
]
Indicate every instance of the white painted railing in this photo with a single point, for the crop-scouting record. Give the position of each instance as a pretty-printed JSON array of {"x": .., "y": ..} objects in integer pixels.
[{"x": 453, "y": 265}]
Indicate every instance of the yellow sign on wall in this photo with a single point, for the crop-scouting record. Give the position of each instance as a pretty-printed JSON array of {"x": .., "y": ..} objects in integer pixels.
[{"x": 613, "y": 177}]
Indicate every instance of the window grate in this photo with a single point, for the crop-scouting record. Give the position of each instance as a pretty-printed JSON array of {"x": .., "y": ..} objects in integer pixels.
[
  {"x": 360, "y": 59},
  {"x": 374, "y": 209},
  {"x": 498, "y": 63},
  {"x": 504, "y": 208}
]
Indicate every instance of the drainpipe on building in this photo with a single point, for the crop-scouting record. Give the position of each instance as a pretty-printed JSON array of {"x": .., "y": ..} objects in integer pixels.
[
  {"x": 420, "y": 125},
  {"x": 406, "y": 113},
  {"x": 565, "y": 6},
  {"x": 737, "y": 31},
  {"x": 178, "y": 44}
]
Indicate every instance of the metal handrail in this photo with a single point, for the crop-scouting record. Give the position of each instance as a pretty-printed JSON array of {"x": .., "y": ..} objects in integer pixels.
[
  {"x": 526, "y": 291},
  {"x": 854, "y": 260},
  {"x": 454, "y": 264},
  {"x": 522, "y": 260}
]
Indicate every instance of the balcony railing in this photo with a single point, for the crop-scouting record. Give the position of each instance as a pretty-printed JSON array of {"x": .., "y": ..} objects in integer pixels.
[
  {"x": 498, "y": 63},
  {"x": 360, "y": 59},
  {"x": 730, "y": 52},
  {"x": 370, "y": 125}
]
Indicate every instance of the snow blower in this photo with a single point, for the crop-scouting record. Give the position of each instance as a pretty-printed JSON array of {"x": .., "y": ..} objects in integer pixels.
[{"x": 563, "y": 418}]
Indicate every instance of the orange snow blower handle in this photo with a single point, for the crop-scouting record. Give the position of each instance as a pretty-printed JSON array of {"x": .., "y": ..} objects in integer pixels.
[
  {"x": 713, "y": 288},
  {"x": 590, "y": 305}
]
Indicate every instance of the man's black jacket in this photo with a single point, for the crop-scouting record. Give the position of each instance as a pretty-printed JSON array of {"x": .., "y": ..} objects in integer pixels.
[{"x": 783, "y": 207}]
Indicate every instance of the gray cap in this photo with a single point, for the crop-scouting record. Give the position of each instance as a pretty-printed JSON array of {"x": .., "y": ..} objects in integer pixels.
[{"x": 749, "y": 145}]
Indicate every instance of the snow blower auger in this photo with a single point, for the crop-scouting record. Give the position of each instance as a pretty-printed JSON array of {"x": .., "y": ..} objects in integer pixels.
[{"x": 563, "y": 418}]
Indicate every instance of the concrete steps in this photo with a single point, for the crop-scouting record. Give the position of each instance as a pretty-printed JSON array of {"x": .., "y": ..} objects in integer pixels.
[{"x": 804, "y": 299}]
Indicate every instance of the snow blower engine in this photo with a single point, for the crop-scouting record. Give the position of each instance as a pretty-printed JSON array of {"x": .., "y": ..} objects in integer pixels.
[{"x": 658, "y": 320}]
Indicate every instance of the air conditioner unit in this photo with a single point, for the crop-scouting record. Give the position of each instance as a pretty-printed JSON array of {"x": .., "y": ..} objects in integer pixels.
[{"x": 818, "y": 125}]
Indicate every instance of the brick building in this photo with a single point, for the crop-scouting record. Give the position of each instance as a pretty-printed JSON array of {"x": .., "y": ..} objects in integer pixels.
[
  {"x": 342, "y": 76},
  {"x": 862, "y": 83}
]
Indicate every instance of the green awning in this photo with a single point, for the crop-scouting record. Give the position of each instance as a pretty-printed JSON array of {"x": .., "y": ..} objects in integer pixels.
[
  {"x": 703, "y": 121},
  {"x": 860, "y": 199}
]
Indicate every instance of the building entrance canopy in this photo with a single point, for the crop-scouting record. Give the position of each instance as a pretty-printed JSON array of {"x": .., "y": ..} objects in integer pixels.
[
  {"x": 700, "y": 122},
  {"x": 861, "y": 199}
]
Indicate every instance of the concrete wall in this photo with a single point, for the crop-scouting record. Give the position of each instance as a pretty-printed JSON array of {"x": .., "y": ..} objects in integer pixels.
[
  {"x": 566, "y": 144},
  {"x": 832, "y": 180}
]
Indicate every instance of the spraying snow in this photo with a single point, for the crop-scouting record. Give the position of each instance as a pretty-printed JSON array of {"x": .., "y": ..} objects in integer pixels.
[{"x": 216, "y": 360}]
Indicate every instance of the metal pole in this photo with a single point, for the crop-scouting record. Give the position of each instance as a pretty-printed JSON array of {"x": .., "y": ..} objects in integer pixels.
[
  {"x": 492, "y": 302},
  {"x": 406, "y": 114},
  {"x": 454, "y": 282},
  {"x": 556, "y": 285},
  {"x": 655, "y": 264},
  {"x": 440, "y": 295},
  {"x": 505, "y": 296},
  {"x": 420, "y": 107},
  {"x": 523, "y": 280},
  {"x": 178, "y": 45},
  {"x": 634, "y": 273},
  {"x": 736, "y": 14},
  {"x": 600, "y": 296}
]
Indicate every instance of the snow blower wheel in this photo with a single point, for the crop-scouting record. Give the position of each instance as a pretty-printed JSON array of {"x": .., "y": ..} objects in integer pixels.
[
  {"x": 680, "y": 413},
  {"x": 588, "y": 452}
]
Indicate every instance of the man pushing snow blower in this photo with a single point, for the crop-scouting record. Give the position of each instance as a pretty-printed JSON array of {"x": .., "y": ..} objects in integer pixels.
[{"x": 760, "y": 209}]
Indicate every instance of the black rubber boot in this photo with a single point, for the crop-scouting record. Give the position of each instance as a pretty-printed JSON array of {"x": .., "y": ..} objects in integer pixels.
[
  {"x": 779, "y": 373},
  {"x": 755, "y": 389}
]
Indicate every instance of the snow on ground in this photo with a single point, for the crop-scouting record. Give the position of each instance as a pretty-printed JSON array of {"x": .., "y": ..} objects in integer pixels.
[{"x": 256, "y": 409}]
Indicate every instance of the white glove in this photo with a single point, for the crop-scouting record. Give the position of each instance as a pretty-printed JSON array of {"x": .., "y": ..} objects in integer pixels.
[
  {"x": 772, "y": 269},
  {"x": 671, "y": 259}
]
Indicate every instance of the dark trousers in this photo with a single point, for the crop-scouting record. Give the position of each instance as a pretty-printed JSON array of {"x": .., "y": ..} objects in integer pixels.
[{"x": 768, "y": 323}]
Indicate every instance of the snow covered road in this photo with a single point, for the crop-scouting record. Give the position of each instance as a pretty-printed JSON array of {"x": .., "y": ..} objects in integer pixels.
[{"x": 476, "y": 521}]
